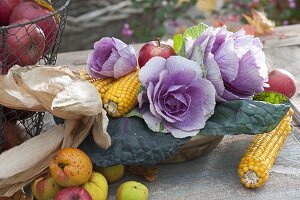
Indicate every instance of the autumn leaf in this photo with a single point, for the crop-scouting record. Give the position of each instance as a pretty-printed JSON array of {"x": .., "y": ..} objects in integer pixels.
[{"x": 260, "y": 23}]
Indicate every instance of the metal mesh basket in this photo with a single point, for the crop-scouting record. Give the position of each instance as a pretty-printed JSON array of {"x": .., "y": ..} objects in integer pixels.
[{"x": 28, "y": 42}]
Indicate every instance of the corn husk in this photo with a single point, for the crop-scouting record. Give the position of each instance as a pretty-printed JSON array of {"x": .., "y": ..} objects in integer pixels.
[{"x": 59, "y": 91}]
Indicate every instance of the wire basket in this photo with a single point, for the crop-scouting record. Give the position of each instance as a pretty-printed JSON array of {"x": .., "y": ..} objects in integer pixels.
[{"x": 28, "y": 42}]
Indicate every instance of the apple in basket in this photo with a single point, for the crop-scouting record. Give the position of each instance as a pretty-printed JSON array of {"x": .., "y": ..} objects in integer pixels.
[
  {"x": 6, "y": 7},
  {"x": 14, "y": 114},
  {"x": 12, "y": 134},
  {"x": 154, "y": 48},
  {"x": 31, "y": 10},
  {"x": 25, "y": 44},
  {"x": 72, "y": 193}
]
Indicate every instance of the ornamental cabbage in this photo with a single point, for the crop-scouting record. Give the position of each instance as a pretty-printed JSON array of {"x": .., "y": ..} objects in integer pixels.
[
  {"x": 111, "y": 58},
  {"x": 235, "y": 62},
  {"x": 177, "y": 97}
]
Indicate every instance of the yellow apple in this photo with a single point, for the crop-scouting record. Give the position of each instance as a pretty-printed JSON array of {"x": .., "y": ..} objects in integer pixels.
[
  {"x": 71, "y": 167},
  {"x": 97, "y": 186},
  {"x": 44, "y": 188},
  {"x": 132, "y": 190},
  {"x": 113, "y": 173}
]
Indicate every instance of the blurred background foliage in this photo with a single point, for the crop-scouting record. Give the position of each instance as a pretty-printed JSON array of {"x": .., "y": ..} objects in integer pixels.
[
  {"x": 151, "y": 23},
  {"x": 283, "y": 12},
  {"x": 144, "y": 20}
]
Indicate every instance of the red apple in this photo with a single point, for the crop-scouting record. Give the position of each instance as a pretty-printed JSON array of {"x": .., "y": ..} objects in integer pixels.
[
  {"x": 154, "y": 48},
  {"x": 25, "y": 44},
  {"x": 72, "y": 193},
  {"x": 31, "y": 10},
  {"x": 12, "y": 135},
  {"x": 6, "y": 7},
  {"x": 282, "y": 81}
]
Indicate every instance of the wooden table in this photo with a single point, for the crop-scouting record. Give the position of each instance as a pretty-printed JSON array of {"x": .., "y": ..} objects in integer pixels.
[{"x": 214, "y": 176}]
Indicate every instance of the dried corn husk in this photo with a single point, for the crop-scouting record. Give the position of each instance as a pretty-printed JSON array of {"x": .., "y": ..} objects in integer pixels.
[{"x": 59, "y": 91}]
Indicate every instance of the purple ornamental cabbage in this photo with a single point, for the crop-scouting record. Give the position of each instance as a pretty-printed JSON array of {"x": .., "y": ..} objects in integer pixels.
[
  {"x": 179, "y": 99},
  {"x": 235, "y": 62},
  {"x": 111, "y": 58}
]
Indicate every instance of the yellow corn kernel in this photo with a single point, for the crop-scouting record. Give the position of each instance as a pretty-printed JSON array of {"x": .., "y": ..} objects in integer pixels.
[
  {"x": 255, "y": 165},
  {"x": 121, "y": 97},
  {"x": 102, "y": 85}
]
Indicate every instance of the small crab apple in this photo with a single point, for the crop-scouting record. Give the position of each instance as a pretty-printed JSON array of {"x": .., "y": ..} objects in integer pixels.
[
  {"x": 71, "y": 167},
  {"x": 97, "y": 186},
  {"x": 132, "y": 190},
  {"x": 44, "y": 188},
  {"x": 112, "y": 173}
]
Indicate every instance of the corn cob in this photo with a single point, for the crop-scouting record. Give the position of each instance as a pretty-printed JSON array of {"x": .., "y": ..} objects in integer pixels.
[
  {"x": 102, "y": 85},
  {"x": 121, "y": 97},
  {"x": 258, "y": 160}
]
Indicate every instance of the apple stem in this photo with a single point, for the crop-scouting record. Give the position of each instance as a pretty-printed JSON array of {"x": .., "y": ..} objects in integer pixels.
[
  {"x": 158, "y": 41},
  {"x": 61, "y": 165}
]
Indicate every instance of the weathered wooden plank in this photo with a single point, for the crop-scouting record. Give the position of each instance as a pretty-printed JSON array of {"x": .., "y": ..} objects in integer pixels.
[{"x": 282, "y": 36}]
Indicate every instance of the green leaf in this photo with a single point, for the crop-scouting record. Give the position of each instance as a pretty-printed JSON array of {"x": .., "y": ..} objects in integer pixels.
[
  {"x": 244, "y": 117},
  {"x": 272, "y": 97},
  {"x": 179, "y": 45},
  {"x": 135, "y": 112},
  {"x": 133, "y": 143},
  {"x": 198, "y": 56},
  {"x": 191, "y": 33},
  {"x": 195, "y": 31},
  {"x": 141, "y": 89}
]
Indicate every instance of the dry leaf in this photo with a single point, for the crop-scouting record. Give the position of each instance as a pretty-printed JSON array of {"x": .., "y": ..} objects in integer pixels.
[
  {"x": 260, "y": 22},
  {"x": 149, "y": 173},
  {"x": 18, "y": 196}
]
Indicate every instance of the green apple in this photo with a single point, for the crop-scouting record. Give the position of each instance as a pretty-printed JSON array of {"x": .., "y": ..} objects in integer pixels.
[
  {"x": 113, "y": 173},
  {"x": 44, "y": 188},
  {"x": 132, "y": 190},
  {"x": 97, "y": 186}
]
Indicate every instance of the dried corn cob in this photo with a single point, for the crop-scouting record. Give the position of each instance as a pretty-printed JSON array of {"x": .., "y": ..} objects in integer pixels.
[
  {"x": 258, "y": 160},
  {"x": 102, "y": 85},
  {"x": 121, "y": 97}
]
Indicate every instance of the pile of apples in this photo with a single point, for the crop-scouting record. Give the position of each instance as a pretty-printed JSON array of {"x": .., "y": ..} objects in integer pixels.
[
  {"x": 72, "y": 177},
  {"x": 25, "y": 44}
]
